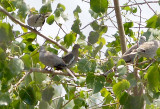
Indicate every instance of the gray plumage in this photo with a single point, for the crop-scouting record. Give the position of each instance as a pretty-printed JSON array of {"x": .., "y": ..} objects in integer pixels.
[
  {"x": 129, "y": 58},
  {"x": 37, "y": 20},
  {"x": 71, "y": 58},
  {"x": 50, "y": 59},
  {"x": 141, "y": 41},
  {"x": 148, "y": 49}
]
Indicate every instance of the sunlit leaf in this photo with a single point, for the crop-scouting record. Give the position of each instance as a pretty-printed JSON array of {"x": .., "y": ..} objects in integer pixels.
[
  {"x": 99, "y": 5},
  {"x": 46, "y": 8},
  {"x": 69, "y": 39},
  {"x": 50, "y": 19},
  {"x": 120, "y": 87},
  {"x": 77, "y": 11},
  {"x": 153, "y": 77},
  {"x": 29, "y": 37}
]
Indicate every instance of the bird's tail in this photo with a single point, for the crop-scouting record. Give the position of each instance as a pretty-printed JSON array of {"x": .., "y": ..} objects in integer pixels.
[{"x": 69, "y": 71}]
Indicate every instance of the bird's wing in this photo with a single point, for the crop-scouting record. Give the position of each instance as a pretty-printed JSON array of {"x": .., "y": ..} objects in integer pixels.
[
  {"x": 130, "y": 49},
  {"x": 68, "y": 58}
]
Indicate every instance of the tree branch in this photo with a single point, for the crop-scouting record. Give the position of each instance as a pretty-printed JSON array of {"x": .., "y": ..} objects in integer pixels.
[
  {"x": 31, "y": 29},
  {"x": 120, "y": 26}
]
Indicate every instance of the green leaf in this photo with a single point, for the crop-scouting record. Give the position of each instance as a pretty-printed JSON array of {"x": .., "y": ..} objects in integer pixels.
[
  {"x": 131, "y": 79},
  {"x": 76, "y": 12},
  {"x": 46, "y": 8},
  {"x": 105, "y": 92},
  {"x": 158, "y": 52},
  {"x": 107, "y": 65},
  {"x": 93, "y": 37},
  {"x": 153, "y": 77},
  {"x": 43, "y": 105},
  {"x": 121, "y": 62},
  {"x": 16, "y": 66},
  {"x": 60, "y": 103},
  {"x": 79, "y": 102},
  {"x": 4, "y": 99},
  {"x": 122, "y": 70},
  {"x": 50, "y": 19},
  {"x": 22, "y": 9},
  {"x": 123, "y": 98},
  {"x": 59, "y": 10},
  {"x": 70, "y": 92},
  {"x": 75, "y": 26},
  {"x": 2, "y": 54},
  {"x": 86, "y": 66},
  {"x": 99, "y": 5},
  {"x": 90, "y": 80},
  {"x": 98, "y": 83},
  {"x": 69, "y": 39},
  {"x": 39, "y": 77},
  {"x": 127, "y": 29},
  {"x": 119, "y": 88},
  {"x": 97, "y": 49},
  {"x": 6, "y": 35},
  {"x": 48, "y": 93},
  {"x": 95, "y": 25},
  {"x": 153, "y": 22},
  {"x": 93, "y": 14},
  {"x": 134, "y": 102},
  {"x": 29, "y": 37},
  {"x": 28, "y": 95},
  {"x": 27, "y": 61}
]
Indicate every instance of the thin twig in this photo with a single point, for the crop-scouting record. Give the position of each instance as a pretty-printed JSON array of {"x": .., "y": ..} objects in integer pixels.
[
  {"x": 138, "y": 4},
  {"x": 60, "y": 27},
  {"x": 150, "y": 7},
  {"x": 16, "y": 85}
]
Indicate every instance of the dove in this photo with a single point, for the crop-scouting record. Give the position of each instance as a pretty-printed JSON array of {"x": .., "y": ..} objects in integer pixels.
[
  {"x": 141, "y": 41},
  {"x": 148, "y": 49},
  {"x": 37, "y": 20},
  {"x": 72, "y": 57},
  {"x": 50, "y": 59},
  {"x": 129, "y": 58}
]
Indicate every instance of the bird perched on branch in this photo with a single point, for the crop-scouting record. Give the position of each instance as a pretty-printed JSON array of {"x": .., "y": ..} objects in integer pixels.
[
  {"x": 37, "y": 20},
  {"x": 50, "y": 59},
  {"x": 129, "y": 58},
  {"x": 135, "y": 46},
  {"x": 72, "y": 57},
  {"x": 131, "y": 53},
  {"x": 148, "y": 49}
]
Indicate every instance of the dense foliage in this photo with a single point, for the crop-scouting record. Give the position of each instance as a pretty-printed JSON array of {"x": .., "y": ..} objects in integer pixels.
[{"x": 23, "y": 85}]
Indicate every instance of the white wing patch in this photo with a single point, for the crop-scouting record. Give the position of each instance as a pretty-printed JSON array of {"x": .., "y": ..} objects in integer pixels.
[{"x": 70, "y": 62}]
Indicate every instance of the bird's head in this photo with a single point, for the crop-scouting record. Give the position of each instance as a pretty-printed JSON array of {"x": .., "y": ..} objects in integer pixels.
[
  {"x": 42, "y": 49},
  {"x": 141, "y": 51},
  {"x": 76, "y": 46},
  {"x": 142, "y": 39}
]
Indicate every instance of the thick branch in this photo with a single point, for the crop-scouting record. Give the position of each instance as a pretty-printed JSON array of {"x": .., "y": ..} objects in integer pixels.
[
  {"x": 31, "y": 29},
  {"x": 120, "y": 26}
]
